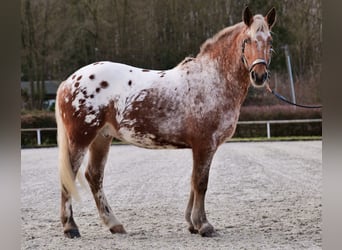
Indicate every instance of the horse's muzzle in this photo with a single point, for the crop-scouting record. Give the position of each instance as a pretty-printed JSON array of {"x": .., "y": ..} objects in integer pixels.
[
  {"x": 258, "y": 75},
  {"x": 259, "y": 79}
]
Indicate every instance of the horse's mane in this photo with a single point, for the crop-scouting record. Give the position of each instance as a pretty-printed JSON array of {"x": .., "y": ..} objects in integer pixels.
[
  {"x": 259, "y": 24},
  {"x": 226, "y": 32}
]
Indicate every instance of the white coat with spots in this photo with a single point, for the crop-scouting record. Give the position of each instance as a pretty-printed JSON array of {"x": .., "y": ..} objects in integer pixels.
[{"x": 194, "y": 105}]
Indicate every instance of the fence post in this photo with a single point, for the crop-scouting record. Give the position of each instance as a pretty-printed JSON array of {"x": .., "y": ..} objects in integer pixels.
[
  {"x": 39, "y": 142},
  {"x": 268, "y": 130}
]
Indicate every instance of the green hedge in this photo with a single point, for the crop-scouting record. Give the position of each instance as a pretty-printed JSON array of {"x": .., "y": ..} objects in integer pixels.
[
  {"x": 278, "y": 112},
  {"x": 40, "y": 119}
]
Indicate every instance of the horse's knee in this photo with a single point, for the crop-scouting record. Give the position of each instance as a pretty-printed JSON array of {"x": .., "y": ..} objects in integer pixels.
[
  {"x": 200, "y": 185},
  {"x": 200, "y": 179}
]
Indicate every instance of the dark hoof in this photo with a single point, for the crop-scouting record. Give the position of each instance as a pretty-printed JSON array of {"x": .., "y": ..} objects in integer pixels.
[
  {"x": 72, "y": 233},
  {"x": 118, "y": 229},
  {"x": 209, "y": 234},
  {"x": 207, "y": 230},
  {"x": 192, "y": 230}
]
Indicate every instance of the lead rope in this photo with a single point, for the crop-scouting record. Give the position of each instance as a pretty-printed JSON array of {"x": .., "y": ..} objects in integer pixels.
[{"x": 282, "y": 98}]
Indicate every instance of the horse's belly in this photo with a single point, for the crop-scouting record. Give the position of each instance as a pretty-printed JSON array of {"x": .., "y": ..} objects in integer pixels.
[
  {"x": 148, "y": 140},
  {"x": 152, "y": 119}
]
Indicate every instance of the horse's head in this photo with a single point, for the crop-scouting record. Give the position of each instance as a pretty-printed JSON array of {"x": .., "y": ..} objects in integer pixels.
[{"x": 257, "y": 45}]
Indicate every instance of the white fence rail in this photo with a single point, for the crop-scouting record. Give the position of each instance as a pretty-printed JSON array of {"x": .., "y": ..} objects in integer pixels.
[
  {"x": 267, "y": 123},
  {"x": 38, "y": 132}
]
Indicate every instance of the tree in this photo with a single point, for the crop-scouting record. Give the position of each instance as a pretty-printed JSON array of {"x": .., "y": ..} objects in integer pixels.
[{"x": 59, "y": 37}]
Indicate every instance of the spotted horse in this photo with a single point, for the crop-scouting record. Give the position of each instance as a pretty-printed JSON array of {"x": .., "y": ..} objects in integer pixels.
[{"x": 194, "y": 105}]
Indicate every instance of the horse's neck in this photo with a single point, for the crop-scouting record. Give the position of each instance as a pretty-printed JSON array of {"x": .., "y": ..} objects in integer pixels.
[{"x": 225, "y": 61}]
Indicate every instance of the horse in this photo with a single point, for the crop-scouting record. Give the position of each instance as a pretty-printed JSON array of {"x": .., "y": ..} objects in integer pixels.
[{"x": 194, "y": 105}]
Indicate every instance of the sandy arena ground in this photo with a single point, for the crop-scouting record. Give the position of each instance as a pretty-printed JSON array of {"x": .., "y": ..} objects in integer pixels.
[{"x": 264, "y": 195}]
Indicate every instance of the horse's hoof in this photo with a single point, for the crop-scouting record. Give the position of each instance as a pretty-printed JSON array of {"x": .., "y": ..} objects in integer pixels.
[
  {"x": 72, "y": 233},
  {"x": 192, "y": 230},
  {"x": 118, "y": 229},
  {"x": 207, "y": 230}
]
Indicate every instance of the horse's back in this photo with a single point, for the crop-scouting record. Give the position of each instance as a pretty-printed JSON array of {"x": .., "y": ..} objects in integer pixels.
[{"x": 135, "y": 105}]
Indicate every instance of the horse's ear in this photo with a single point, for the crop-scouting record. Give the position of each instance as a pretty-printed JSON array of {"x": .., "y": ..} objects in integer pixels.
[
  {"x": 271, "y": 17},
  {"x": 247, "y": 16}
]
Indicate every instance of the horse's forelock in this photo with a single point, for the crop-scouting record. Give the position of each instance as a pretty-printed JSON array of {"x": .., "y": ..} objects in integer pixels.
[{"x": 259, "y": 24}]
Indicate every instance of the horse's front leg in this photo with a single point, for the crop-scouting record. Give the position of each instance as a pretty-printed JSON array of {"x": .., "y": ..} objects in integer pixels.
[{"x": 195, "y": 212}]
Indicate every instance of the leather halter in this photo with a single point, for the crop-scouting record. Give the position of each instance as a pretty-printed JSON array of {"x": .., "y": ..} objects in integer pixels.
[{"x": 255, "y": 62}]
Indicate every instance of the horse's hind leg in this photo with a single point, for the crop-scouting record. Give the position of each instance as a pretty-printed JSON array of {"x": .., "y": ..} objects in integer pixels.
[
  {"x": 188, "y": 213},
  {"x": 98, "y": 153},
  {"x": 195, "y": 212},
  {"x": 69, "y": 226}
]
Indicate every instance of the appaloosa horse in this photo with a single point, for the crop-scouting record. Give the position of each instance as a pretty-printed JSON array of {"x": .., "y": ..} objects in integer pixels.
[{"x": 194, "y": 105}]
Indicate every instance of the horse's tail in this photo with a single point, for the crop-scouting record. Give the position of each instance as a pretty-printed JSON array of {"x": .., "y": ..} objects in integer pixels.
[{"x": 66, "y": 175}]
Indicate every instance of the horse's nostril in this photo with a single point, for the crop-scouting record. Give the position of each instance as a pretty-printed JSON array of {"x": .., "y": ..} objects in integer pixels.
[{"x": 253, "y": 75}]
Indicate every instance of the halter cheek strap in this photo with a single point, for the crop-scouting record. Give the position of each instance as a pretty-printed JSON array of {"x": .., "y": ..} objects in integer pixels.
[{"x": 256, "y": 62}]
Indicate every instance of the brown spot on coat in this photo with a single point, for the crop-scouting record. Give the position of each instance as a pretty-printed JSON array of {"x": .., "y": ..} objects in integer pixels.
[
  {"x": 162, "y": 73},
  {"x": 129, "y": 82},
  {"x": 91, "y": 77},
  {"x": 186, "y": 60},
  {"x": 145, "y": 70},
  {"x": 77, "y": 84},
  {"x": 107, "y": 210},
  {"x": 97, "y": 90},
  {"x": 79, "y": 78},
  {"x": 73, "y": 77},
  {"x": 104, "y": 84}
]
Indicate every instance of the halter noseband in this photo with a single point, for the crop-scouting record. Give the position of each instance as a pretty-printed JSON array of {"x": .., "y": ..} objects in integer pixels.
[{"x": 256, "y": 62}]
